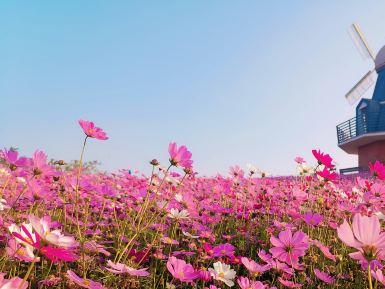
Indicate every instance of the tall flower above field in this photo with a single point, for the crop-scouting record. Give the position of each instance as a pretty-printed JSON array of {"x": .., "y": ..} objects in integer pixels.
[
  {"x": 11, "y": 157},
  {"x": 378, "y": 170},
  {"x": 92, "y": 131},
  {"x": 323, "y": 159},
  {"x": 179, "y": 156},
  {"x": 288, "y": 247},
  {"x": 366, "y": 237}
]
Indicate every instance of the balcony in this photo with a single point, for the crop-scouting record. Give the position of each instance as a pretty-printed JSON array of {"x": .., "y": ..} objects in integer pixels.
[{"x": 360, "y": 131}]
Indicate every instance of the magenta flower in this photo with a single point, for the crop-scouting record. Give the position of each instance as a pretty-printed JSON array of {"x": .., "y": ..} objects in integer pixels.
[
  {"x": 327, "y": 175},
  {"x": 312, "y": 219},
  {"x": 288, "y": 247},
  {"x": 323, "y": 159},
  {"x": 366, "y": 237},
  {"x": 58, "y": 254},
  {"x": 119, "y": 268},
  {"x": 223, "y": 250},
  {"x": 378, "y": 170},
  {"x": 323, "y": 276},
  {"x": 179, "y": 156},
  {"x": 84, "y": 283},
  {"x": 204, "y": 275},
  {"x": 180, "y": 270},
  {"x": 92, "y": 131},
  {"x": 11, "y": 157}
]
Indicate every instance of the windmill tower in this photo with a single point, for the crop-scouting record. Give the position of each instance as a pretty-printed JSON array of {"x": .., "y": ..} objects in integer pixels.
[{"x": 364, "y": 134}]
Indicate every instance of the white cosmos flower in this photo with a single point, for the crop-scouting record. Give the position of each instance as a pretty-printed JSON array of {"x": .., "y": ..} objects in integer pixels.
[
  {"x": 252, "y": 169},
  {"x": 178, "y": 198},
  {"x": 4, "y": 172},
  {"x": 304, "y": 169},
  {"x": 161, "y": 204},
  {"x": 21, "y": 180},
  {"x": 176, "y": 214},
  {"x": 223, "y": 272},
  {"x": 3, "y": 205}
]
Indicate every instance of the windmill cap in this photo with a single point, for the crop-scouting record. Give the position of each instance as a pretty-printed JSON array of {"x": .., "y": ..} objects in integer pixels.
[{"x": 379, "y": 62}]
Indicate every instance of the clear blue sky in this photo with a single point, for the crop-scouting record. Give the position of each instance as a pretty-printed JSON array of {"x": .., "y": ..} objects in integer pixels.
[{"x": 236, "y": 81}]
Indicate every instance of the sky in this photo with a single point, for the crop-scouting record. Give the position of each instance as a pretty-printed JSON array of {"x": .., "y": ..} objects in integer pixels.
[{"x": 237, "y": 82}]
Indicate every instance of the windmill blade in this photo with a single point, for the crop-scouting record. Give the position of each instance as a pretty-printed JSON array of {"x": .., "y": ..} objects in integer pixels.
[
  {"x": 360, "y": 42},
  {"x": 361, "y": 87}
]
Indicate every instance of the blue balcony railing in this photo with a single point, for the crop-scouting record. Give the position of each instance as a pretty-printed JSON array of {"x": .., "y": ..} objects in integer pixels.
[{"x": 359, "y": 125}]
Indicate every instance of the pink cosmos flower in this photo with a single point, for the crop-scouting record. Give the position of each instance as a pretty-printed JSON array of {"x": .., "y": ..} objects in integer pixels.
[
  {"x": 119, "y": 268},
  {"x": 180, "y": 270},
  {"x": 323, "y": 276},
  {"x": 39, "y": 164},
  {"x": 288, "y": 247},
  {"x": 97, "y": 248},
  {"x": 379, "y": 276},
  {"x": 179, "y": 156},
  {"x": 253, "y": 267},
  {"x": 245, "y": 283},
  {"x": 289, "y": 283},
  {"x": 299, "y": 160},
  {"x": 11, "y": 157},
  {"x": 266, "y": 257},
  {"x": 223, "y": 250},
  {"x": 324, "y": 249},
  {"x": 378, "y": 170},
  {"x": 92, "y": 131},
  {"x": 312, "y": 219},
  {"x": 236, "y": 171},
  {"x": 323, "y": 159},
  {"x": 366, "y": 237},
  {"x": 328, "y": 175},
  {"x": 13, "y": 283},
  {"x": 204, "y": 275},
  {"x": 84, "y": 283}
]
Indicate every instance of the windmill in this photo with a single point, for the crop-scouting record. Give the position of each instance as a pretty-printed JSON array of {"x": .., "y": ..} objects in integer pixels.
[{"x": 364, "y": 134}]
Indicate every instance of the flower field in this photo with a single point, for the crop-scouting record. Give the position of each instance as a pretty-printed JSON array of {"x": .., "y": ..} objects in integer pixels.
[{"x": 70, "y": 227}]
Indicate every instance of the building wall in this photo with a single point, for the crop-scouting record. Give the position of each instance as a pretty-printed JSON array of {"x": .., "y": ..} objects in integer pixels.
[{"x": 371, "y": 153}]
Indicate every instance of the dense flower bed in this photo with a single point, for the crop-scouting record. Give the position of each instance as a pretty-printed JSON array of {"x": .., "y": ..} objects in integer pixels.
[{"x": 70, "y": 228}]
